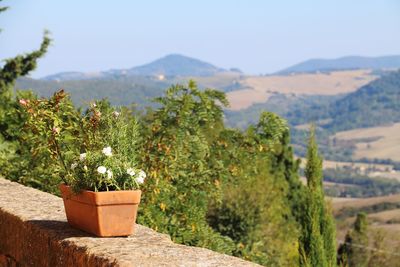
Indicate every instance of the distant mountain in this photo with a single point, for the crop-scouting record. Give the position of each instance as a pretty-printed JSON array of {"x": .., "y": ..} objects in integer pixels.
[
  {"x": 171, "y": 65},
  {"x": 176, "y": 65},
  {"x": 344, "y": 63}
]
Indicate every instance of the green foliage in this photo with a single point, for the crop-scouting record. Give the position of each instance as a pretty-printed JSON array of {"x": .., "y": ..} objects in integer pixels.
[
  {"x": 93, "y": 150},
  {"x": 318, "y": 240},
  {"x": 353, "y": 251},
  {"x": 12, "y": 164},
  {"x": 176, "y": 154},
  {"x": 261, "y": 224}
]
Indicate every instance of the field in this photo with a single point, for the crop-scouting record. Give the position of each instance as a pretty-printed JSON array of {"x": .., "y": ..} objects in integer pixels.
[
  {"x": 330, "y": 164},
  {"x": 217, "y": 81},
  {"x": 386, "y": 222},
  {"x": 356, "y": 203},
  {"x": 378, "y": 142},
  {"x": 258, "y": 89},
  {"x": 387, "y": 216}
]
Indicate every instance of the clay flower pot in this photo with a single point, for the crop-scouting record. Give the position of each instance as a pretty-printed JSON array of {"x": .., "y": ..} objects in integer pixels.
[{"x": 111, "y": 213}]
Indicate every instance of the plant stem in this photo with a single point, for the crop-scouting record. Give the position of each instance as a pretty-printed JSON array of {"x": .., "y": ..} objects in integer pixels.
[{"x": 60, "y": 157}]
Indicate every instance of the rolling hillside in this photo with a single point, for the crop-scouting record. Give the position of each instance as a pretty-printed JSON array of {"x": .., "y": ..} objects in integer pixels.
[
  {"x": 258, "y": 89},
  {"x": 122, "y": 91},
  {"x": 374, "y": 104},
  {"x": 380, "y": 142},
  {"x": 343, "y": 63}
]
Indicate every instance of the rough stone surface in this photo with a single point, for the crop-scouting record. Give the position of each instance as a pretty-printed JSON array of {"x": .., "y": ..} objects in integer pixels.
[{"x": 34, "y": 232}]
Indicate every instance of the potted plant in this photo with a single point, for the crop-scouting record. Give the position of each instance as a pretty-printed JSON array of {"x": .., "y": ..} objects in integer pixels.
[{"x": 94, "y": 153}]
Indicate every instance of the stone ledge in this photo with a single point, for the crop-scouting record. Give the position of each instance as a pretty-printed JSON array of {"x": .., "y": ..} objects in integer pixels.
[{"x": 34, "y": 232}]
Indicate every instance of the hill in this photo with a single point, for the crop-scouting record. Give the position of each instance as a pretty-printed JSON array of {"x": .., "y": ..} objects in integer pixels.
[
  {"x": 374, "y": 104},
  {"x": 120, "y": 91},
  {"x": 170, "y": 65},
  {"x": 259, "y": 89},
  {"x": 344, "y": 63},
  {"x": 380, "y": 142},
  {"x": 176, "y": 65}
]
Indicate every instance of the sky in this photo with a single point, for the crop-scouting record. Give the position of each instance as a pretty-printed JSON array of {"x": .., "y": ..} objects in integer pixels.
[{"x": 256, "y": 36}]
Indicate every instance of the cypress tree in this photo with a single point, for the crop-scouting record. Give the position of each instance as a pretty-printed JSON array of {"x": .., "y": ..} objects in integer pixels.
[
  {"x": 317, "y": 243},
  {"x": 353, "y": 252}
]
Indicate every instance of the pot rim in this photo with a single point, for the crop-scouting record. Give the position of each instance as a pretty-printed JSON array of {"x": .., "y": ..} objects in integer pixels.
[{"x": 101, "y": 198}]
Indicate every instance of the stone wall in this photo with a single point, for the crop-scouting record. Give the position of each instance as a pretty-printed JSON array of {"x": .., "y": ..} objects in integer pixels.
[{"x": 34, "y": 232}]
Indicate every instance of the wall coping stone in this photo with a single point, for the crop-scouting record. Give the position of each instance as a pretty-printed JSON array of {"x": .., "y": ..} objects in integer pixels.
[{"x": 34, "y": 232}]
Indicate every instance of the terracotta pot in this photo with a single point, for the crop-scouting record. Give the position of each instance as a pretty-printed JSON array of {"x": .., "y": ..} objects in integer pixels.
[{"x": 111, "y": 213}]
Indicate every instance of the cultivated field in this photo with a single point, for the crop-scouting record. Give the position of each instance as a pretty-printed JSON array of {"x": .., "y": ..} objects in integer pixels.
[
  {"x": 340, "y": 203},
  {"x": 330, "y": 164},
  {"x": 386, "y": 143},
  {"x": 259, "y": 88},
  {"x": 218, "y": 81},
  {"x": 387, "y": 216}
]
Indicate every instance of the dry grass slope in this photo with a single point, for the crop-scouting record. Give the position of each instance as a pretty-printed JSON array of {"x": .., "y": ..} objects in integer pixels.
[
  {"x": 260, "y": 88},
  {"x": 387, "y": 145},
  {"x": 340, "y": 203}
]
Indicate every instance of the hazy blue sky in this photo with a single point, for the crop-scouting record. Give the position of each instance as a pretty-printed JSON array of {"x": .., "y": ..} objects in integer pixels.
[{"x": 255, "y": 36}]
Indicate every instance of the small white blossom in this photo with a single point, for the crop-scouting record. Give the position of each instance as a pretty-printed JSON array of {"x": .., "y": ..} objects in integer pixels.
[
  {"x": 109, "y": 174},
  {"x": 107, "y": 151},
  {"x": 142, "y": 174},
  {"x": 74, "y": 165},
  {"x": 116, "y": 114},
  {"x": 101, "y": 170},
  {"x": 130, "y": 171},
  {"x": 140, "y": 180},
  {"x": 82, "y": 156},
  {"x": 141, "y": 177},
  {"x": 94, "y": 105},
  {"x": 85, "y": 168}
]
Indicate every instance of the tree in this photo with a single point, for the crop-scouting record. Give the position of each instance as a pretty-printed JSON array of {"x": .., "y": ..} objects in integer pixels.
[
  {"x": 353, "y": 251},
  {"x": 317, "y": 242},
  {"x": 176, "y": 154},
  {"x": 11, "y": 120},
  {"x": 254, "y": 211}
]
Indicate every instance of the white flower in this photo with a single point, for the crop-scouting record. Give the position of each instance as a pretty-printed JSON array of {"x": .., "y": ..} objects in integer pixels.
[
  {"x": 130, "y": 171},
  {"x": 101, "y": 170},
  {"x": 142, "y": 174},
  {"x": 140, "y": 180},
  {"x": 85, "y": 168},
  {"x": 109, "y": 174},
  {"x": 74, "y": 165},
  {"x": 141, "y": 177},
  {"x": 116, "y": 114},
  {"x": 94, "y": 105},
  {"x": 82, "y": 156},
  {"x": 107, "y": 151}
]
